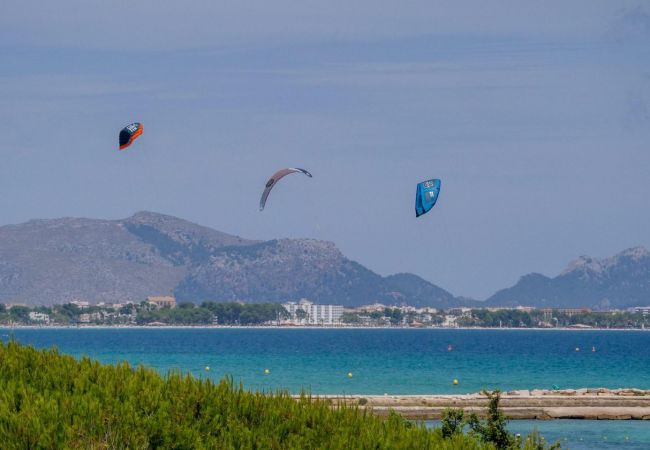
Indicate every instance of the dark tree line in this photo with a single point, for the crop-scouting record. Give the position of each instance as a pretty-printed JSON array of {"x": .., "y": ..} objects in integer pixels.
[
  {"x": 186, "y": 313},
  {"x": 230, "y": 313}
]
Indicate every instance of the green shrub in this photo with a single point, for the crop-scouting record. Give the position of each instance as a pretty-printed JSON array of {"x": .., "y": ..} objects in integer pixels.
[
  {"x": 452, "y": 422},
  {"x": 493, "y": 430}
]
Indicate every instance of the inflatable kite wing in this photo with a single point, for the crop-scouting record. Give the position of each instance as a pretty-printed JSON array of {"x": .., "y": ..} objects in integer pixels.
[
  {"x": 426, "y": 196},
  {"x": 129, "y": 134},
  {"x": 277, "y": 176}
]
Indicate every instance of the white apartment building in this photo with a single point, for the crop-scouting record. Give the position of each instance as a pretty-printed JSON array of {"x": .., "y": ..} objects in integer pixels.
[
  {"x": 82, "y": 304},
  {"x": 645, "y": 310},
  {"x": 90, "y": 317},
  {"x": 315, "y": 314},
  {"x": 39, "y": 317}
]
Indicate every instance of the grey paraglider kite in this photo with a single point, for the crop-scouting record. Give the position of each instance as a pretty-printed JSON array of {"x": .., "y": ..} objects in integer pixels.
[{"x": 277, "y": 176}]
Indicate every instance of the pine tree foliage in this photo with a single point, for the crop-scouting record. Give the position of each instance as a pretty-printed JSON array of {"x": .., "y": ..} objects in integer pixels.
[{"x": 51, "y": 401}]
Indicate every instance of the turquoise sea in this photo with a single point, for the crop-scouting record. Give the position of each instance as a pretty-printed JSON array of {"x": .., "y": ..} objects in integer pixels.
[
  {"x": 392, "y": 361},
  {"x": 588, "y": 434}
]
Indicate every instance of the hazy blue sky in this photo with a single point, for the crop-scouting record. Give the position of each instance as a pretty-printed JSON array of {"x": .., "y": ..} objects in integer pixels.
[{"x": 535, "y": 115}]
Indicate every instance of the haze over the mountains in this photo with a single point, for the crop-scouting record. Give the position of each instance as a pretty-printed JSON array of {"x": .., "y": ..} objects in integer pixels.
[
  {"x": 59, "y": 260},
  {"x": 620, "y": 281}
]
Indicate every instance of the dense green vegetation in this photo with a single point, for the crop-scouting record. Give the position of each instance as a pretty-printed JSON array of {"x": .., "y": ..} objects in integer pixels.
[
  {"x": 514, "y": 318},
  {"x": 49, "y": 400},
  {"x": 392, "y": 317},
  {"x": 387, "y": 316},
  {"x": 186, "y": 313},
  {"x": 246, "y": 313},
  {"x": 511, "y": 318},
  {"x": 602, "y": 320},
  {"x": 230, "y": 313}
]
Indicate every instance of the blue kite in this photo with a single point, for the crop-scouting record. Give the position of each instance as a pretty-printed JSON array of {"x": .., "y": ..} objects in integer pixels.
[{"x": 426, "y": 196}]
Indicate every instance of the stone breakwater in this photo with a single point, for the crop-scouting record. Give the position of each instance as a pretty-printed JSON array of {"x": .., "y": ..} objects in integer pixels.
[{"x": 589, "y": 404}]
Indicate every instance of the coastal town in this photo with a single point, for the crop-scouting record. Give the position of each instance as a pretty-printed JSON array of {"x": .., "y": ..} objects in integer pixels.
[{"x": 167, "y": 311}]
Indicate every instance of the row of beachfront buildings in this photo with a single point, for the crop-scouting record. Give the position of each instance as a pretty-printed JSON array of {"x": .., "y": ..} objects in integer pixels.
[
  {"x": 306, "y": 312},
  {"x": 166, "y": 301}
]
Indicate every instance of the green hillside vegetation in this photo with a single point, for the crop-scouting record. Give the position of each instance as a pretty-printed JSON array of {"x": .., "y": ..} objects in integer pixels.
[{"x": 49, "y": 400}]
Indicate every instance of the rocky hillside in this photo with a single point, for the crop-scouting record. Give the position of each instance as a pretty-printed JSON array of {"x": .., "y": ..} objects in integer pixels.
[
  {"x": 54, "y": 261},
  {"x": 620, "y": 281},
  {"x": 296, "y": 268}
]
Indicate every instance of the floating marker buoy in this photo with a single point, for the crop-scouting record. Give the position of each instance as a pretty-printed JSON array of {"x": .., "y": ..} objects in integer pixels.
[
  {"x": 349, "y": 374},
  {"x": 593, "y": 349},
  {"x": 577, "y": 349},
  {"x": 455, "y": 381},
  {"x": 207, "y": 368},
  {"x": 267, "y": 371},
  {"x": 449, "y": 348}
]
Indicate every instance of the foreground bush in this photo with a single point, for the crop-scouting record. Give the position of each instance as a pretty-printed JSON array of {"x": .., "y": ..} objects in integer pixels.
[
  {"x": 493, "y": 429},
  {"x": 49, "y": 400}
]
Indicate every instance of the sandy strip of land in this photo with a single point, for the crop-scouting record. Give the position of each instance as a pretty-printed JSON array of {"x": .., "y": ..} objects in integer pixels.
[{"x": 591, "y": 404}]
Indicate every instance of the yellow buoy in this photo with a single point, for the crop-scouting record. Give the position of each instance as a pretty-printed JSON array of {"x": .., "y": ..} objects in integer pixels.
[
  {"x": 455, "y": 381},
  {"x": 267, "y": 371},
  {"x": 207, "y": 368},
  {"x": 349, "y": 374}
]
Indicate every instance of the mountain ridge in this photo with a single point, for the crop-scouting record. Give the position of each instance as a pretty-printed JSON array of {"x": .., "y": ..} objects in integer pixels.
[
  {"x": 45, "y": 261},
  {"x": 618, "y": 281}
]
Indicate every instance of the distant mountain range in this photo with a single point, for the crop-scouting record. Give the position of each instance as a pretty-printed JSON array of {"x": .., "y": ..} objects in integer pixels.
[
  {"x": 620, "y": 281},
  {"x": 59, "y": 260}
]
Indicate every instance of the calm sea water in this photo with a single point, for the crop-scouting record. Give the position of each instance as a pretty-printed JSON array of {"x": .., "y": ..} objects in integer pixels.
[
  {"x": 587, "y": 434},
  {"x": 393, "y": 361}
]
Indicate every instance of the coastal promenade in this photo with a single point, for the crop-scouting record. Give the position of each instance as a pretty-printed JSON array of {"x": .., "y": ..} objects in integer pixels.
[{"x": 589, "y": 404}]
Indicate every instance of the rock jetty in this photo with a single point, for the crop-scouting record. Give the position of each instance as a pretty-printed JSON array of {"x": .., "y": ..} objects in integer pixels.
[{"x": 590, "y": 404}]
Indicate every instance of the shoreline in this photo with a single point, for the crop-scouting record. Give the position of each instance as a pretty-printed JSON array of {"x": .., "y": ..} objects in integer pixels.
[
  {"x": 583, "y": 404},
  {"x": 297, "y": 327}
]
